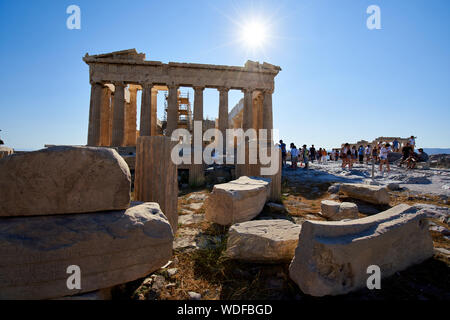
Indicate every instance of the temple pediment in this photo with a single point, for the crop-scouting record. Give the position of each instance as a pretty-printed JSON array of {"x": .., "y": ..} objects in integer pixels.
[{"x": 123, "y": 55}]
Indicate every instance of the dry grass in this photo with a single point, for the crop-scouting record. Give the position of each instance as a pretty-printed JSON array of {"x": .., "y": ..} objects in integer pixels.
[{"x": 210, "y": 273}]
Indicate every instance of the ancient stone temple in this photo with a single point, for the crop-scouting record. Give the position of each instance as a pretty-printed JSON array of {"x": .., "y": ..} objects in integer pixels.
[{"x": 116, "y": 78}]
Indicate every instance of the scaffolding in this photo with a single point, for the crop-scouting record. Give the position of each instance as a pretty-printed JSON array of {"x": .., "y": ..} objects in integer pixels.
[{"x": 184, "y": 111}]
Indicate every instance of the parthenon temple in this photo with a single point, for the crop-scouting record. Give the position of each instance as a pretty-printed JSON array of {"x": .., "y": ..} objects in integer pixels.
[{"x": 116, "y": 78}]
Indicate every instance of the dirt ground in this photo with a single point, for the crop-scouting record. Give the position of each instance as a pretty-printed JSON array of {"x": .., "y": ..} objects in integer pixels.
[{"x": 205, "y": 270}]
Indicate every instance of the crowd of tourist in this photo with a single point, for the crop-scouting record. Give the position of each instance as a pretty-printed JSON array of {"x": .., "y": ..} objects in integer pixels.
[{"x": 353, "y": 154}]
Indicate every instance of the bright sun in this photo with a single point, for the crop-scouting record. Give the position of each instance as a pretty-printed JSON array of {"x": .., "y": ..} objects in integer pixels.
[{"x": 254, "y": 34}]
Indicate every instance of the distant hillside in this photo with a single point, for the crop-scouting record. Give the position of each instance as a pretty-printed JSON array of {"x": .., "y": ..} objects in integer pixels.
[{"x": 431, "y": 151}]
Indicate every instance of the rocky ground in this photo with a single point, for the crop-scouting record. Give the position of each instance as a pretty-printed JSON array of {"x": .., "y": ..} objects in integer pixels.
[{"x": 199, "y": 269}]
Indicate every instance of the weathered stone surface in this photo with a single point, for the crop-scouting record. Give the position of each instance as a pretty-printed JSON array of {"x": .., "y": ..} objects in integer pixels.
[
  {"x": 393, "y": 186},
  {"x": 434, "y": 212},
  {"x": 61, "y": 180},
  {"x": 371, "y": 194},
  {"x": 347, "y": 210},
  {"x": 329, "y": 208},
  {"x": 188, "y": 239},
  {"x": 338, "y": 211},
  {"x": 156, "y": 175},
  {"x": 268, "y": 241},
  {"x": 332, "y": 257},
  {"x": 191, "y": 218},
  {"x": 334, "y": 188},
  {"x": 110, "y": 248},
  {"x": 237, "y": 201}
]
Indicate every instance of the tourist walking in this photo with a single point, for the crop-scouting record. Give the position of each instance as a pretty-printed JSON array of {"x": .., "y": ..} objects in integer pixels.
[
  {"x": 294, "y": 156},
  {"x": 384, "y": 152},
  {"x": 354, "y": 154},
  {"x": 312, "y": 153},
  {"x": 305, "y": 156},
  {"x": 319, "y": 155},
  {"x": 375, "y": 154},
  {"x": 395, "y": 145},
  {"x": 412, "y": 142},
  {"x": 346, "y": 156},
  {"x": 361, "y": 154},
  {"x": 368, "y": 152},
  {"x": 324, "y": 156},
  {"x": 283, "y": 152}
]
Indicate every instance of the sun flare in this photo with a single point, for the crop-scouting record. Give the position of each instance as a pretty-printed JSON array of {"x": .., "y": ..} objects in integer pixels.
[{"x": 254, "y": 34}]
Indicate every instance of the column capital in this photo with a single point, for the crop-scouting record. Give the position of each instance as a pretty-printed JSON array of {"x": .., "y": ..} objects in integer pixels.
[
  {"x": 247, "y": 90},
  {"x": 146, "y": 85},
  {"x": 119, "y": 84},
  {"x": 93, "y": 83},
  {"x": 223, "y": 89},
  {"x": 173, "y": 86},
  {"x": 267, "y": 91},
  {"x": 198, "y": 88}
]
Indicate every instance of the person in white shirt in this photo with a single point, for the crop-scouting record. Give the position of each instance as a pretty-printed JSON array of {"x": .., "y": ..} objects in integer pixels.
[
  {"x": 384, "y": 152},
  {"x": 368, "y": 152},
  {"x": 294, "y": 156}
]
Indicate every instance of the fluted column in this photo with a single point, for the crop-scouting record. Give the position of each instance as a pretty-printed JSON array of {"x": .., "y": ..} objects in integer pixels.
[
  {"x": 105, "y": 117},
  {"x": 94, "y": 115},
  {"x": 145, "y": 124},
  {"x": 153, "y": 112},
  {"x": 172, "y": 110},
  {"x": 223, "y": 114},
  {"x": 196, "y": 172},
  {"x": 131, "y": 118},
  {"x": 247, "y": 121},
  {"x": 267, "y": 122},
  {"x": 118, "y": 129},
  {"x": 248, "y": 169},
  {"x": 156, "y": 175}
]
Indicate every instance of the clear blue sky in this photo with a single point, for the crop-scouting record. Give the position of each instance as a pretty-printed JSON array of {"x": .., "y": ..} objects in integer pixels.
[{"x": 339, "y": 81}]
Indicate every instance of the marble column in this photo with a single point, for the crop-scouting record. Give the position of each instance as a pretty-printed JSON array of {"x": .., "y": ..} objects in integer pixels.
[
  {"x": 156, "y": 175},
  {"x": 223, "y": 114},
  {"x": 267, "y": 121},
  {"x": 196, "y": 172},
  {"x": 111, "y": 115},
  {"x": 247, "y": 121},
  {"x": 105, "y": 117},
  {"x": 94, "y": 115},
  {"x": 172, "y": 110},
  {"x": 131, "y": 118},
  {"x": 118, "y": 129},
  {"x": 145, "y": 124},
  {"x": 153, "y": 112}
]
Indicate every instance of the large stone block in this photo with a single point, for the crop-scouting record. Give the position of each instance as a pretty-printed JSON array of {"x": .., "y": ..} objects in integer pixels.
[
  {"x": 110, "y": 248},
  {"x": 329, "y": 208},
  {"x": 237, "y": 201},
  {"x": 338, "y": 211},
  {"x": 332, "y": 257},
  {"x": 156, "y": 175},
  {"x": 368, "y": 193},
  {"x": 270, "y": 241},
  {"x": 61, "y": 180}
]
